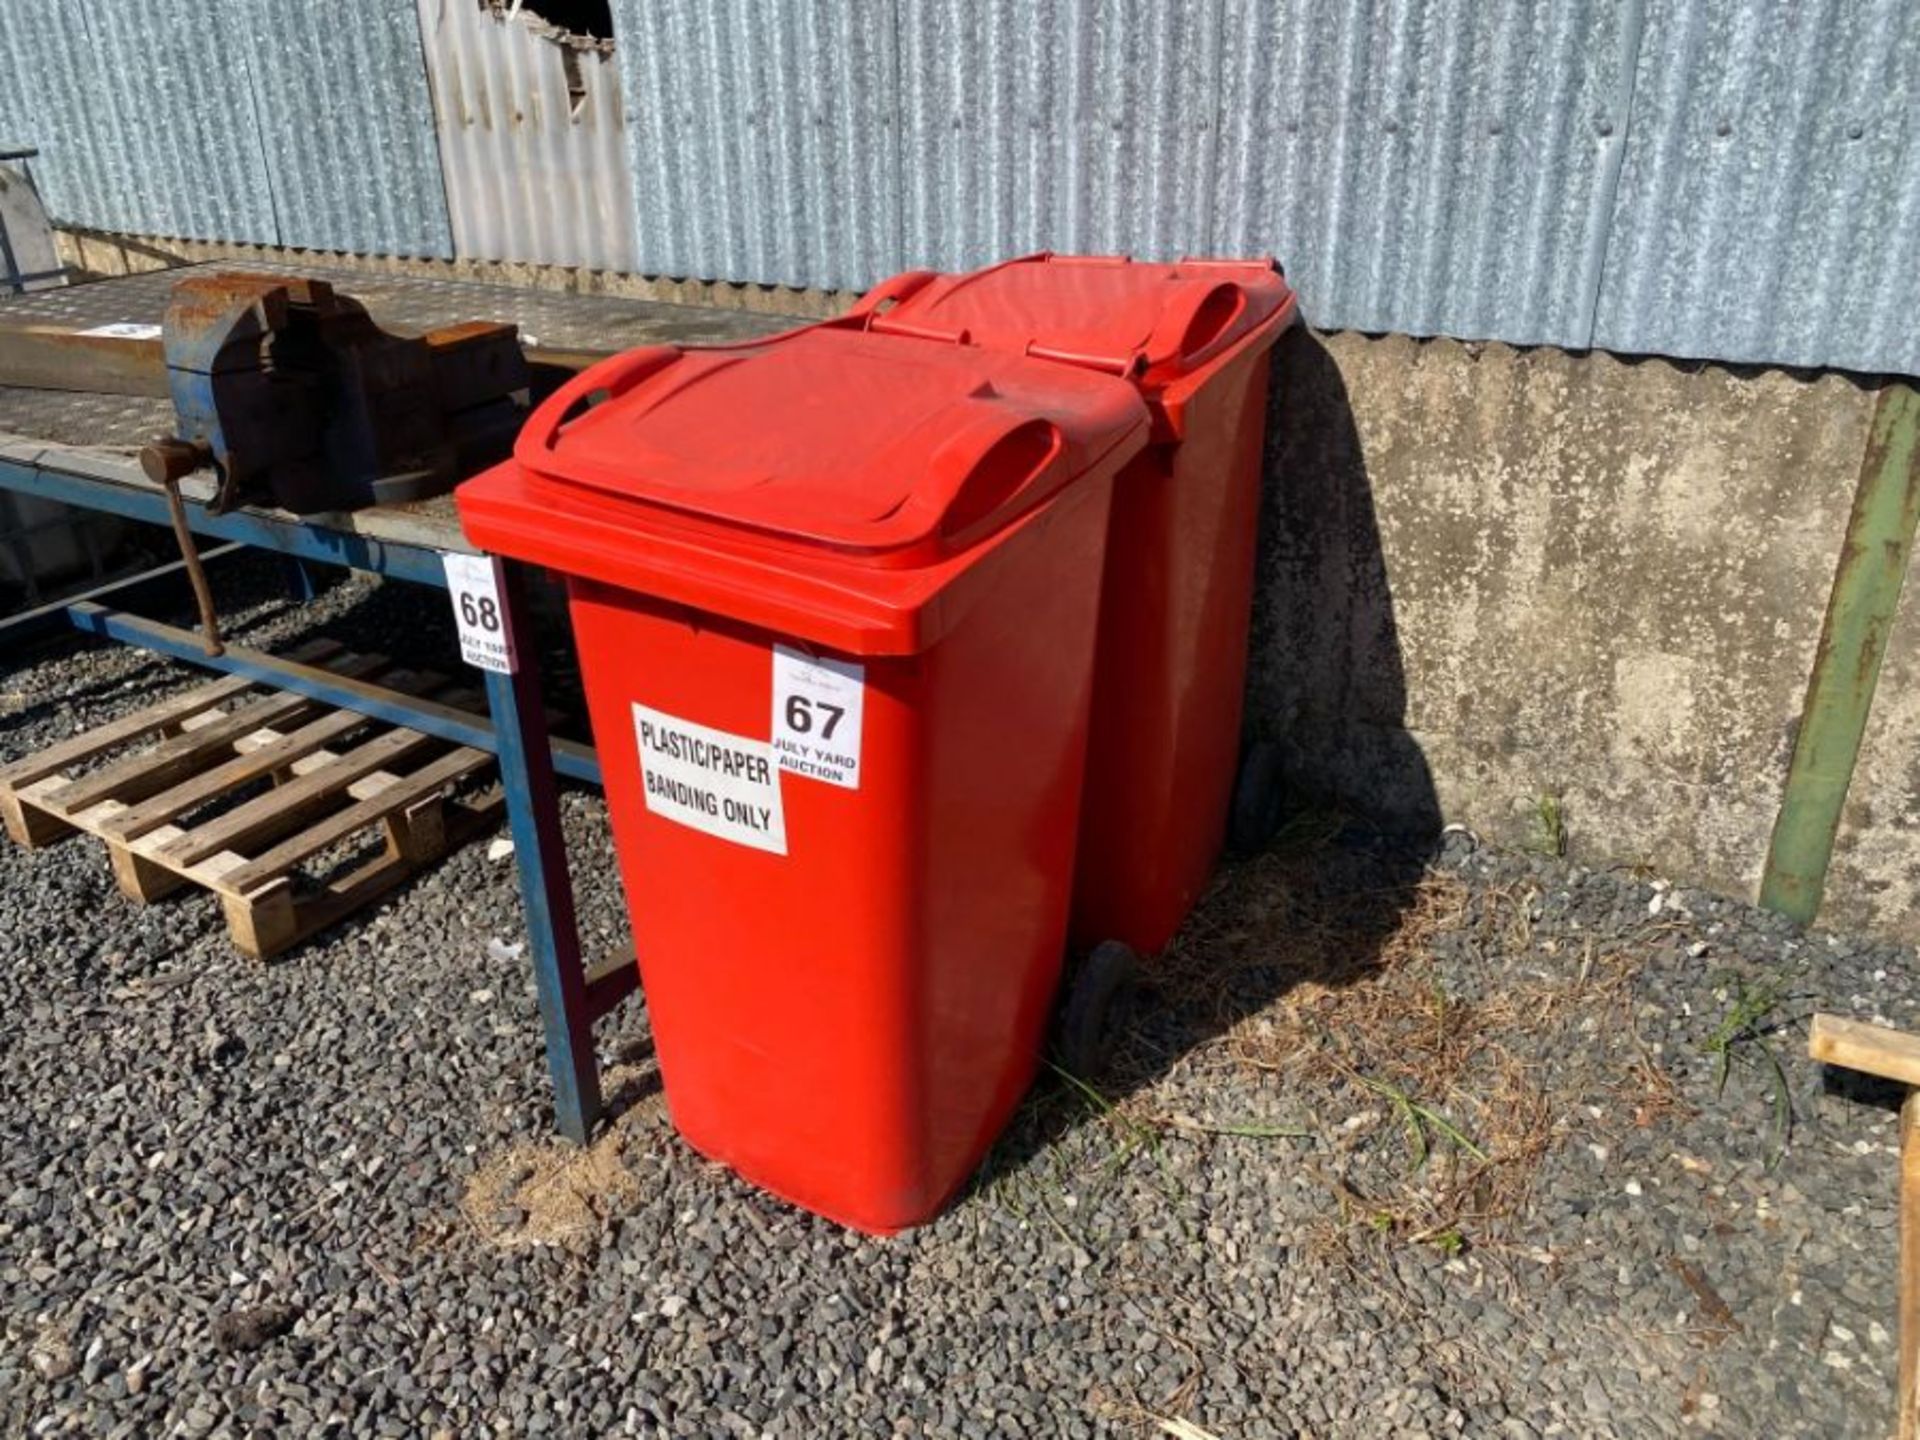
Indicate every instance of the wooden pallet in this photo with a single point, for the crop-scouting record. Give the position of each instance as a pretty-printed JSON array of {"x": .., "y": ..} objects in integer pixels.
[{"x": 166, "y": 790}]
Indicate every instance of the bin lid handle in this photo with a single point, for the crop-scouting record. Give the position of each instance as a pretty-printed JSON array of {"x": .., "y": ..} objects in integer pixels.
[
  {"x": 1200, "y": 320},
  {"x": 984, "y": 475},
  {"x": 616, "y": 375},
  {"x": 888, "y": 293}
]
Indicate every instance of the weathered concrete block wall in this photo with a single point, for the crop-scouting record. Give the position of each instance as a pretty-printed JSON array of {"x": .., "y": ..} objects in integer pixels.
[{"x": 1489, "y": 575}]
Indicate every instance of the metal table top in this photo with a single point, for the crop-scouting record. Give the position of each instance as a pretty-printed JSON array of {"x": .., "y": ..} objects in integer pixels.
[
  {"x": 98, "y": 436},
  {"x": 409, "y": 304}
]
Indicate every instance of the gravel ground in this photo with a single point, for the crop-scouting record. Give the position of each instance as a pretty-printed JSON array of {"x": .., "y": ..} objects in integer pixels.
[{"x": 1394, "y": 1145}]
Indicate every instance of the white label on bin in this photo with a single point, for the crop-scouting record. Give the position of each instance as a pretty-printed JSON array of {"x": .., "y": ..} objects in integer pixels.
[
  {"x": 473, "y": 583},
  {"x": 726, "y": 785},
  {"x": 816, "y": 716},
  {"x": 124, "y": 330}
]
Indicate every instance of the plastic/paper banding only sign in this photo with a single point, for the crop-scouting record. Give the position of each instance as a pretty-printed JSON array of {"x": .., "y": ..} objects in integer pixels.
[
  {"x": 473, "y": 584},
  {"x": 726, "y": 785},
  {"x": 816, "y": 716}
]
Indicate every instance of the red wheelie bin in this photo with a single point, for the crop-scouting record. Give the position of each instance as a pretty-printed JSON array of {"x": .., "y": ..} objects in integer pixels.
[
  {"x": 836, "y": 599},
  {"x": 1195, "y": 338}
]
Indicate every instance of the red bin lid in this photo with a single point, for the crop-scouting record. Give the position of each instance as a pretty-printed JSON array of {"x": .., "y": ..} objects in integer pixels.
[
  {"x": 888, "y": 453},
  {"x": 1136, "y": 318}
]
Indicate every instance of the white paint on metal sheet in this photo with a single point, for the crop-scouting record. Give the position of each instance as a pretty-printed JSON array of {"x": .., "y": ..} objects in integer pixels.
[
  {"x": 532, "y": 139},
  {"x": 29, "y": 236}
]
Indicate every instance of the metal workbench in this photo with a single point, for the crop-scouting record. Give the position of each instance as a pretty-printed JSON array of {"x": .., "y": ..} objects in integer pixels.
[{"x": 79, "y": 448}]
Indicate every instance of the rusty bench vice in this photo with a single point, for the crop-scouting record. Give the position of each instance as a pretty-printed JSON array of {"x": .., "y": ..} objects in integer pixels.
[{"x": 299, "y": 400}]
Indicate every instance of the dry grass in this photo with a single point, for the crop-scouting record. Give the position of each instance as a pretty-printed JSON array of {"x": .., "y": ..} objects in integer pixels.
[
  {"x": 566, "y": 1193},
  {"x": 1432, "y": 1112}
]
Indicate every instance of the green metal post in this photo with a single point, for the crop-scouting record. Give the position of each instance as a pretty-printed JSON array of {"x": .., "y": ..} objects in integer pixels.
[{"x": 1846, "y": 667}]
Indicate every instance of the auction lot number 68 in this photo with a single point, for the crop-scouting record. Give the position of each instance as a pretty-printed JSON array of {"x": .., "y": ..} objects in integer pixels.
[{"x": 473, "y": 583}]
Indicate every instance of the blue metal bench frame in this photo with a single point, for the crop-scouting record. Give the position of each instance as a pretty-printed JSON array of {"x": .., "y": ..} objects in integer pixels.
[{"x": 571, "y": 999}]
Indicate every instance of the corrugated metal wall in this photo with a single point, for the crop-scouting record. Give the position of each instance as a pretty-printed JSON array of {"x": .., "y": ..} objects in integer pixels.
[
  {"x": 762, "y": 134},
  {"x": 1711, "y": 178},
  {"x": 1769, "y": 206},
  {"x": 1727, "y": 179},
  {"x": 283, "y": 122},
  {"x": 534, "y": 171}
]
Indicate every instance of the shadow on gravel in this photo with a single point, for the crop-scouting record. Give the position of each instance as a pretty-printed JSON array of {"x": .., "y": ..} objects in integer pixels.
[
  {"x": 121, "y": 691},
  {"x": 1327, "y": 683}
]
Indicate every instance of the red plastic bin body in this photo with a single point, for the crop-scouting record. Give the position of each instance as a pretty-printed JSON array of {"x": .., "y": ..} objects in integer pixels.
[
  {"x": 848, "y": 1023},
  {"x": 1196, "y": 337}
]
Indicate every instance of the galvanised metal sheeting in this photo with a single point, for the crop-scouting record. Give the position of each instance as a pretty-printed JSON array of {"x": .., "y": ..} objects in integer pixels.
[
  {"x": 346, "y": 121},
  {"x": 1441, "y": 168},
  {"x": 68, "y": 88},
  {"x": 1497, "y": 169},
  {"x": 290, "y": 122},
  {"x": 1710, "y": 178},
  {"x": 532, "y": 173},
  {"x": 1070, "y": 126},
  {"x": 763, "y": 137},
  {"x": 1770, "y": 204},
  {"x": 173, "y": 116}
]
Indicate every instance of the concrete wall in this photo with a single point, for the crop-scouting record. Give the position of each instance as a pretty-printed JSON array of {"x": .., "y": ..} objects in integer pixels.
[{"x": 1492, "y": 574}]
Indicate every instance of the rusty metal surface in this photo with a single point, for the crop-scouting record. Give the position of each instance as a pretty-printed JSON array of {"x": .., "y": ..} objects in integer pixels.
[
  {"x": 408, "y": 305},
  {"x": 117, "y": 423}
]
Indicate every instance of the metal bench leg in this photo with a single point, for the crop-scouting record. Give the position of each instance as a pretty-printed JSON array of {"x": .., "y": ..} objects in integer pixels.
[{"x": 546, "y": 889}]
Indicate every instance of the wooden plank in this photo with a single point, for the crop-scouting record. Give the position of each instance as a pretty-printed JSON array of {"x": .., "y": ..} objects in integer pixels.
[
  {"x": 1909, "y": 1396},
  {"x": 453, "y": 766},
  {"x": 265, "y": 923},
  {"x": 276, "y": 916},
  {"x": 84, "y": 746},
  {"x": 418, "y": 832},
  {"x": 38, "y": 355},
  {"x": 314, "y": 788},
  {"x": 136, "y": 776},
  {"x": 57, "y": 757},
  {"x": 275, "y": 753},
  {"x": 461, "y": 821},
  {"x": 1873, "y": 1049},
  {"x": 139, "y": 878},
  {"x": 27, "y": 825}
]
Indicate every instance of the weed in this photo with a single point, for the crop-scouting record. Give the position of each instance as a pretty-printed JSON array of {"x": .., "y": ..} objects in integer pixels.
[
  {"x": 1419, "y": 1119},
  {"x": 1136, "y": 1136},
  {"x": 1743, "y": 1032},
  {"x": 1549, "y": 825}
]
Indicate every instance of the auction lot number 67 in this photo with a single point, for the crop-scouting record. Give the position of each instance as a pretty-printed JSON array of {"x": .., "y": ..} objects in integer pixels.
[{"x": 801, "y": 713}]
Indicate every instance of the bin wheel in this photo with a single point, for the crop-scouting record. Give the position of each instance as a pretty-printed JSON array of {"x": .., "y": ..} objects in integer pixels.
[
  {"x": 1257, "y": 800},
  {"x": 1099, "y": 998}
]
